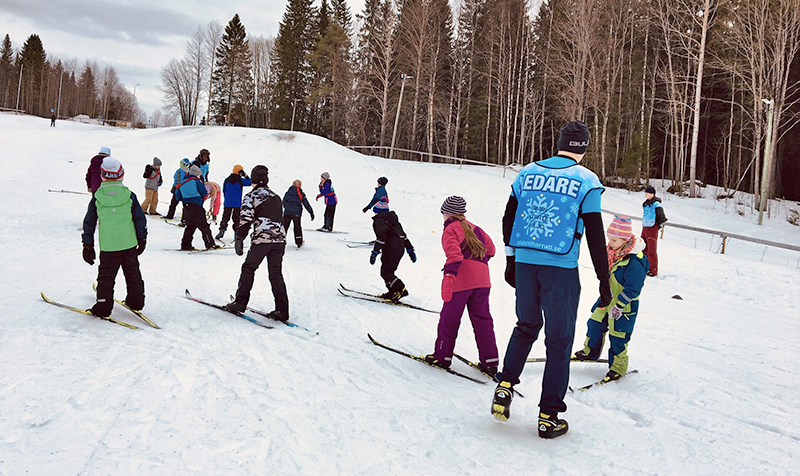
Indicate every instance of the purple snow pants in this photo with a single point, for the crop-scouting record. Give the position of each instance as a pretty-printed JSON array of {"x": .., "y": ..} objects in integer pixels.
[{"x": 477, "y": 303}]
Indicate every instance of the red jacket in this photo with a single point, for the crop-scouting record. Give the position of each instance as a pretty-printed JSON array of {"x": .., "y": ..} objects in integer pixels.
[{"x": 470, "y": 271}]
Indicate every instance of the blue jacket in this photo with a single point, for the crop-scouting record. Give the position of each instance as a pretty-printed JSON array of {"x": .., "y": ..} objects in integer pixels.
[
  {"x": 380, "y": 192},
  {"x": 326, "y": 190},
  {"x": 653, "y": 213},
  {"x": 191, "y": 190},
  {"x": 293, "y": 202},
  {"x": 232, "y": 190}
]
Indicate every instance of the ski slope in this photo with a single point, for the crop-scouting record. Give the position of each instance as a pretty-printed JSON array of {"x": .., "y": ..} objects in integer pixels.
[{"x": 209, "y": 393}]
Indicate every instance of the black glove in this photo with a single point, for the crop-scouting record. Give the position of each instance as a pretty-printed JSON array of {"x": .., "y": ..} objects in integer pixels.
[
  {"x": 373, "y": 256},
  {"x": 238, "y": 245},
  {"x": 605, "y": 295},
  {"x": 142, "y": 244},
  {"x": 412, "y": 255},
  {"x": 312, "y": 216},
  {"x": 364, "y": 210},
  {"x": 510, "y": 275},
  {"x": 88, "y": 253}
]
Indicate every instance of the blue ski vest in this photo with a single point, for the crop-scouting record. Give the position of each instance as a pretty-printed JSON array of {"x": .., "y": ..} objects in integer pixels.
[{"x": 549, "y": 205}]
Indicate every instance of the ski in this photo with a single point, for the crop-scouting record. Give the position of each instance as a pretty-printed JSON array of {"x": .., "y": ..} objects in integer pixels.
[
  {"x": 544, "y": 359},
  {"x": 222, "y": 308},
  {"x": 287, "y": 323},
  {"x": 86, "y": 312},
  {"x": 420, "y": 358},
  {"x": 69, "y": 191},
  {"x": 357, "y": 244},
  {"x": 138, "y": 313},
  {"x": 333, "y": 232},
  {"x": 170, "y": 221},
  {"x": 351, "y": 293},
  {"x": 603, "y": 381},
  {"x": 216, "y": 248},
  {"x": 474, "y": 365}
]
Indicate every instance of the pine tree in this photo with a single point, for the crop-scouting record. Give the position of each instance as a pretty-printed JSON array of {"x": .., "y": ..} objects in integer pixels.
[
  {"x": 34, "y": 61},
  {"x": 293, "y": 73},
  {"x": 232, "y": 79},
  {"x": 6, "y": 72},
  {"x": 87, "y": 92}
]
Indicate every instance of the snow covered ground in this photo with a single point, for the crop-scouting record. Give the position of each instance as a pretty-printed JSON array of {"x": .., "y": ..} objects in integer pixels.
[{"x": 213, "y": 394}]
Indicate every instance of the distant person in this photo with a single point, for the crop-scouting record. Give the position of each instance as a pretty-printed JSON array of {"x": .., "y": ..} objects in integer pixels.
[
  {"x": 653, "y": 219},
  {"x": 202, "y": 161},
  {"x": 177, "y": 177},
  {"x": 552, "y": 203},
  {"x": 52, "y": 119},
  {"x": 390, "y": 240},
  {"x": 93, "y": 178},
  {"x": 122, "y": 236},
  {"x": 465, "y": 283},
  {"x": 294, "y": 200},
  {"x": 232, "y": 190},
  {"x": 262, "y": 209},
  {"x": 628, "y": 266},
  {"x": 380, "y": 195},
  {"x": 153, "y": 180},
  {"x": 192, "y": 192},
  {"x": 326, "y": 190}
]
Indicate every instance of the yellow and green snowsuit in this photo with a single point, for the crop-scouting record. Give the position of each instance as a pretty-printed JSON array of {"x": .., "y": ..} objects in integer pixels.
[{"x": 627, "y": 280}]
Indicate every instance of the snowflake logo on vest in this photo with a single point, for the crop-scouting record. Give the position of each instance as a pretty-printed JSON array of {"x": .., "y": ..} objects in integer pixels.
[{"x": 540, "y": 217}]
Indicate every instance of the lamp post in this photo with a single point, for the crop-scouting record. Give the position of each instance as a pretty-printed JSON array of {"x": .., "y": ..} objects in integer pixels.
[
  {"x": 133, "y": 108},
  {"x": 765, "y": 173},
  {"x": 60, "y": 82},
  {"x": 403, "y": 78},
  {"x": 294, "y": 107},
  {"x": 19, "y": 84}
]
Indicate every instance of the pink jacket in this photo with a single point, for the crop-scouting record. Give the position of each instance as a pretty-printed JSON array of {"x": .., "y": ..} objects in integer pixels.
[{"x": 470, "y": 272}]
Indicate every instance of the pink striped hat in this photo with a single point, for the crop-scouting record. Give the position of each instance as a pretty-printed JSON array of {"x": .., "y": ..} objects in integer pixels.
[{"x": 620, "y": 227}]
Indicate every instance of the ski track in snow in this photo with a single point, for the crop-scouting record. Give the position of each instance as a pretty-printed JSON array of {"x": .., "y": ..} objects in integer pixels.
[{"x": 211, "y": 393}]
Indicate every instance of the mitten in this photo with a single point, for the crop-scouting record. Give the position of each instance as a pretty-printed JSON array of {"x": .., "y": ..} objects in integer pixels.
[
  {"x": 88, "y": 253},
  {"x": 373, "y": 256},
  {"x": 142, "y": 244},
  {"x": 317, "y": 199},
  {"x": 364, "y": 210},
  {"x": 312, "y": 216},
  {"x": 511, "y": 270},
  {"x": 447, "y": 287},
  {"x": 605, "y": 295},
  {"x": 616, "y": 311},
  {"x": 412, "y": 255},
  {"x": 238, "y": 246}
]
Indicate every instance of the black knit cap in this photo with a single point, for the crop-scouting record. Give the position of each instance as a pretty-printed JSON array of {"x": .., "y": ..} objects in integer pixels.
[
  {"x": 574, "y": 137},
  {"x": 260, "y": 175},
  {"x": 383, "y": 180}
]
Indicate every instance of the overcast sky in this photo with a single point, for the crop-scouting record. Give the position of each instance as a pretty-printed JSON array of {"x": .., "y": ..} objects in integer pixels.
[{"x": 137, "y": 37}]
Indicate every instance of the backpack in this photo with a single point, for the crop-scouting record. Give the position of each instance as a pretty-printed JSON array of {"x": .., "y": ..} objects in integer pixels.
[{"x": 148, "y": 169}]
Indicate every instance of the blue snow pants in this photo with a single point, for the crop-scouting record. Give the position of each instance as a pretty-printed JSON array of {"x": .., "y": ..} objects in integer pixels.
[{"x": 546, "y": 296}]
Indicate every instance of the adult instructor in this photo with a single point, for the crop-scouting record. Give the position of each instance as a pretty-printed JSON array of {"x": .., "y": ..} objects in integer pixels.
[{"x": 552, "y": 203}]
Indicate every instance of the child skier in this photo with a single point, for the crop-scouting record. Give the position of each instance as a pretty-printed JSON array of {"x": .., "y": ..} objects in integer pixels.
[
  {"x": 232, "y": 190},
  {"x": 653, "y": 219},
  {"x": 192, "y": 193},
  {"x": 293, "y": 202},
  {"x": 122, "y": 235},
  {"x": 391, "y": 240},
  {"x": 380, "y": 194},
  {"x": 465, "y": 283},
  {"x": 177, "y": 178},
  {"x": 93, "y": 178},
  {"x": 152, "y": 174},
  {"x": 628, "y": 266},
  {"x": 262, "y": 209},
  {"x": 202, "y": 160},
  {"x": 326, "y": 190}
]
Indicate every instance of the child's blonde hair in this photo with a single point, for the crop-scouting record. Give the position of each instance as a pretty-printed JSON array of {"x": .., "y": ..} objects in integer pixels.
[{"x": 474, "y": 244}]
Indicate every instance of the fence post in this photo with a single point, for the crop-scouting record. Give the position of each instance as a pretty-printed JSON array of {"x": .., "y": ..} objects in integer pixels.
[{"x": 724, "y": 242}]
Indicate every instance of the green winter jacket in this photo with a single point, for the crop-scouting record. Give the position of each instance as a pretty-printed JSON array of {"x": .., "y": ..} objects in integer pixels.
[{"x": 114, "y": 213}]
